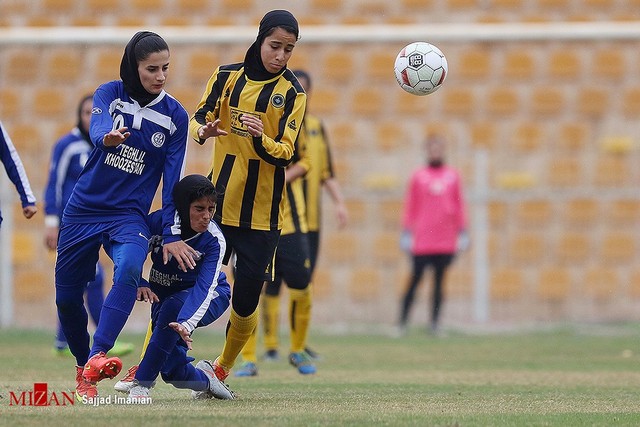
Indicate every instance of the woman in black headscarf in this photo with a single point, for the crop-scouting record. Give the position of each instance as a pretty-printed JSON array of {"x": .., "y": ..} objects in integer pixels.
[{"x": 253, "y": 110}]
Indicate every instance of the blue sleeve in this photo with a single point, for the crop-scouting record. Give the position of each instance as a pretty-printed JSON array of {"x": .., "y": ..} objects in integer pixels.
[
  {"x": 52, "y": 197},
  {"x": 101, "y": 120},
  {"x": 15, "y": 170},
  {"x": 173, "y": 171},
  {"x": 204, "y": 292}
]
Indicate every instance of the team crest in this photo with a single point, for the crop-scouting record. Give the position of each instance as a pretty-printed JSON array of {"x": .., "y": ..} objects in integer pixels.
[
  {"x": 96, "y": 110},
  {"x": 277, "y": 100},
  {"x": 157, "y": 139}
]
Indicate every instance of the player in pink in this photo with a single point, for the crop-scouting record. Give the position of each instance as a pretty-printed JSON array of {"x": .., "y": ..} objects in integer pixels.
[{"x": 434, "y": 224}]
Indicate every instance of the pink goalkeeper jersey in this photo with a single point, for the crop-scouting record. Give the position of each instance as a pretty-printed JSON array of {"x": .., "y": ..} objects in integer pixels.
[{"x": 434, "y": 210}]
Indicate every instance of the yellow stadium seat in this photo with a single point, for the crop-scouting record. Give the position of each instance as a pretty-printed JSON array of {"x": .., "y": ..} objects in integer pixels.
[
  {"x": 458, "y": 101},
  {"x": 107, "y": 64},
  {"x": 410, "y": 105},
  {"x": 497, "y": 213},
  {"x": 565, "y": 64},
  {"x": 177, "y": 21},
  {"x": 506, "y": 283},
  {"x": 536, "y": 212},
  {"x": 322, "y": 284},
  {"x": 623, "y": 212},
  {"x": 324, "y": 100},
  {"x": 503, "y": 101},
  {"x": 593, "y": 101},
  {"x": 519, "y": 64},
  {"x": 188, "y": 97},
  {"x": 65, "y": 66},
  {"x": 390, "y": 136},
  {"x": 609, "y": 65},
  {"x": 456, "y": 5},
  {"x": 634, "y": 283},
  {"x": 325, "y": 6},
  {"x": 631, "y": 101},
  {"x": 58, "y": 6},
  {"x": 390, "y": 213},
  {"x": 618, "y": 248},
  {"x": 27, "y": 139},
  {"x": 146, "y": 5},
  {"x": 459, "y": 282},
  {"x": 33, "y": 286},
  {"x": 201, "y": 65},
  {"x": 554, "y": 284},
  {"x": 573, "y": 248},
  {"x": 554, "y": 4},
  {"x": 380, "y": 64},
  {"x": 193, "y": 6},
  {"x": 547, "y": 101},
  {"x": 101, "y": 6},
  {"x": 415, "y": 6},
  {"x": 386, "y": 248},
  {"x": 25, "y": 245},
  {"x": 365, "y": 284},
  {"x": 338, "y": 65}
]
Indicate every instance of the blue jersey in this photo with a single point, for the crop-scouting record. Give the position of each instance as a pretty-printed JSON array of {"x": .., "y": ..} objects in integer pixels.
[
  {"x": 68, "y": 157},
  {"x": 119, "y": 181},
  {"x": 166, "y": 279},
  {"x": 15, "y": 170}
]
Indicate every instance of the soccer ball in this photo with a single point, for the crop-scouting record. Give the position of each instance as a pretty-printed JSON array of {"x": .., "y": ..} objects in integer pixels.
[{"x": 420, "y": 68}]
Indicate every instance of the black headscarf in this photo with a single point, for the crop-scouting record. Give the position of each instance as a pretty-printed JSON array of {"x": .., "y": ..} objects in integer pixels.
[
  {"x": 188, "y": 189},
  {"x": 84, "y": 132},
  {"x": 141, "y": 45},
  {"x": 253, "y": 66}
]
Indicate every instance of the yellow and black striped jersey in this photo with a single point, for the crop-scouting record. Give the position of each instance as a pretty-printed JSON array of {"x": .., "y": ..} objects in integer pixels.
[
  {"x": 250, "y": 171},
  {"x": 294, "y": 208},
  {"x": 320, "y": 167}
]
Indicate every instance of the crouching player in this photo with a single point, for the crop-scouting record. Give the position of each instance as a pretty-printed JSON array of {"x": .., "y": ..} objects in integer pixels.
[{"x": 183, "y": 301}]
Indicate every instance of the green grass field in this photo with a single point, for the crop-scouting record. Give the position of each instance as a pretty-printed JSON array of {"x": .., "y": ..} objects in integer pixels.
[{"x": 573, "y": 376}]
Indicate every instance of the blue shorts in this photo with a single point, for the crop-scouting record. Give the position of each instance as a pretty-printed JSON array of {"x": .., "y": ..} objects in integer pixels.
[{"x": 79, "y": 247}]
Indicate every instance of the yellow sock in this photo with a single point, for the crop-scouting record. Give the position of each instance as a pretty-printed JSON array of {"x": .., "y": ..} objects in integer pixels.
[
  {"x": 248, "y": 352},
  {"x": 270, "y": 320},
  {"x": 147, "y": 338},
  {"x": 300, "y": 311},
  {"x": 238, "y": 333}
]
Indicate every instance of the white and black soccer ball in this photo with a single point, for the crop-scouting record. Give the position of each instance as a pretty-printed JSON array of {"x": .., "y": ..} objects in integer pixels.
[{"x": 420, "y": 68}]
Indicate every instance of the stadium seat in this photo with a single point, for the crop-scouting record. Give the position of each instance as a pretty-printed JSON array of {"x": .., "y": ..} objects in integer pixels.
[
  {"x": 474, "y": 64},
  {"x": 324, "y": 99},
  {"x": 631, "y": 102},
  {"x": 459, "y": 282},
  {"x": 497, "y": 213},
  {"x": 10, "y": 103},
  {"x": 342, "y": 135},
  {"x": 58, "y": 6},
  {"x": 565, "y": 171},
  {"x": 50, "y": 102},
  {"x": 601, "y": 283},
  {"x": 357, "y": 212},
  {"x": 554, "y": 284},
  {"x": 22, "y": 67},
  {"x": 507, "y": 283},
  {"x": 147, "y": 5},
  {"x": 634, "y": 283},
  {"x": 573, "y": 248},
  {"x": 608, "y": 65},
  {"x": 340, "y": 247},
  {"x": 195, "y": 7},
  {"x": 322, "y": 283},
  {"x": 367, "y": 103},
  {"x": 565, "y": 64},
  {"x": 389, "y": 213},
  {"x": 41, "y": 21},
  {"x": 527, "y": 248},
  {"x": 528, "y": 136},
  {"x": 338, "y": 66},
  {"x": 502, "y": 101},
  {"x": 623, "y": 212},
  {"x": 519, "y": 64},
  {"x": 580, "y": 213},
  {"x": 612, "y": 171},
  {"x": 32, "y": 286},
  {"x": 177, "y": 21},
  {"x": 547, "y": 101},
  {"x": 390, "y": 136},
  {"x": 365, "y": 284},
  {"x": 24, "y": 244},
  {"x": 533, "y": 213},
  {"x": 618, "y": 248},
  {"x": 380, "y": 63},
  {"x": 483, "y": 134},
  {"x": 573, "y": 136},
  {"x": 593, "y": 102},
  {"x": 409, "y": 105},
  {"x": 65, "y": 66},
  {"x": 107, "y": 64},
  {"x": 101, "y": 6},
  {"x": 458, "y": 101},
  {"x": 386, "y": 248},
  {"x": 456, "y": 6}
]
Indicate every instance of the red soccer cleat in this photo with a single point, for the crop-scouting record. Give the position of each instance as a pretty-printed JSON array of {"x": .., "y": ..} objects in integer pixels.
[
  {"x": 83, "y": 387},
  {"x": 100, "y": 367}
]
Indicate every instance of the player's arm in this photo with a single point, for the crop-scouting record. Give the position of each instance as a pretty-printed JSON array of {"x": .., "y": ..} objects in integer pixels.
[
  {"x": 16, "y": 173},
  {"x": 53, "y": 198},
  {"x": 204, "y": 123},
  {"x": 101, "y": 131}
]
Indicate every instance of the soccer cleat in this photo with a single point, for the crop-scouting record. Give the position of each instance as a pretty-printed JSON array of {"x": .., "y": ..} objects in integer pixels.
[
  {"x": 271, "y": 356},
  {"x": 127, "y": 382},
  {"x": 121, "y": 349},
  {"x": 313, "y": 355},
  {"x": 217, "y": 388},
  {"x": 139, "y": 392},
  {"x": 99, "y": 367},
  {"x": 302, "y": 362},
  {"x": 247, "y": 369},
  {"x": 83, "y": 387}
]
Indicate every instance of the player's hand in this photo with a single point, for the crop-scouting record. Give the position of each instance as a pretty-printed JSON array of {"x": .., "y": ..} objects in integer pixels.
[
  {"x": 342, "y": 215},
  {"x": 211, "y": 129},
  {"x": 29, "y": 211},
  {"x": 184, "y": 254},
  {"x": 116, "y": 137},
  {"x": 182, "y": 331},
  {"x": 51, "y": 237},
  {"x": 254, "y": 124},
  {"x": 147, "y": 295}
]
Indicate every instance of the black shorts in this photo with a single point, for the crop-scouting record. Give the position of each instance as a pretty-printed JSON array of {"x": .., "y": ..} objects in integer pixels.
[
  {"x": 314, "y": 245},
  {"x": 292, "y": 261},
  {"x": 254, "y": 249}
]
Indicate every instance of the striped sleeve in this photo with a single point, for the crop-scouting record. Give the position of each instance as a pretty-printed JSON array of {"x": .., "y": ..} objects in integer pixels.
[{"x": 15, "y": 169}]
